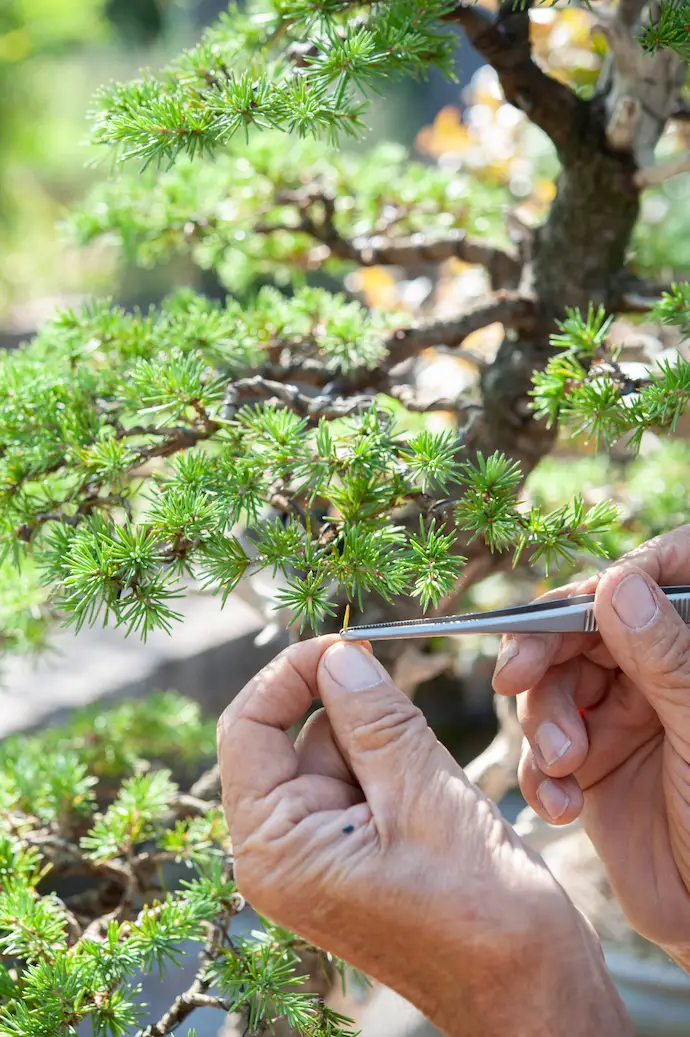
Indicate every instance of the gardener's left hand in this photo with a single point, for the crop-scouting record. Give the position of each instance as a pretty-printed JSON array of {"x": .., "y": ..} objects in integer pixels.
[{"x": 366, "y": 838}]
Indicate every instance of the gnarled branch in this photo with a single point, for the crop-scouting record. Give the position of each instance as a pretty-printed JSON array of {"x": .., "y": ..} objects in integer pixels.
[
  {"x": 504, "y": 43},
  {"x": 502, "y": 265},
  {"x": 514, "y": 309}
]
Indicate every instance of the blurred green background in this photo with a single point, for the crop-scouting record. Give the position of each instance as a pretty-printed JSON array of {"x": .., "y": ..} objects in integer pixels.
[{"x": 53, "y": 56}]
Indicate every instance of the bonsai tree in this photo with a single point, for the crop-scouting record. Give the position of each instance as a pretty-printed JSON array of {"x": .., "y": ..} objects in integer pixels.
[{"x": 286, "y": 428}]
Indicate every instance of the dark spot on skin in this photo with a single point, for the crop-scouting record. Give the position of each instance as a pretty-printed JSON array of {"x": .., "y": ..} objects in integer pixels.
[{"x": 348, "y": 829}]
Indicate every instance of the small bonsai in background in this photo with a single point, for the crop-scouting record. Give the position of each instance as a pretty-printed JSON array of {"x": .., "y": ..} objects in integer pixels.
[
  {"x": 108, "y": 871},
  {"x": 287, "y": 429}
]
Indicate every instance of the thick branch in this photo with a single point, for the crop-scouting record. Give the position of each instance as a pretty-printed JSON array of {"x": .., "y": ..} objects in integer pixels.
[
  {"x": 504, "y": 43},
  {"x": 495, "y": 770},
  {"x": 513, "y": 309},
  {"x": 640, "y": 90},
  {"x": 503, "y": 266},
  {"x": 633, "y": 294},
  {"x": 681, "y": 112}
]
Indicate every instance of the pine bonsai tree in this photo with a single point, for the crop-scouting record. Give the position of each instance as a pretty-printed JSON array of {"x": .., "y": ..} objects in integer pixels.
[{"x": 280, "y": 430}]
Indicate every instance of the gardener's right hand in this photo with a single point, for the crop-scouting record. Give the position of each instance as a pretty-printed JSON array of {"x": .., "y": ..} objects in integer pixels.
[
  {"x": 366, "y": 838},
  {"x": 607, "y": 718}
]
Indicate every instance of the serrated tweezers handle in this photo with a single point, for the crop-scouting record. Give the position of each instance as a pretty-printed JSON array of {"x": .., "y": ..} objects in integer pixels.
[{"x": 562, "y": 615}]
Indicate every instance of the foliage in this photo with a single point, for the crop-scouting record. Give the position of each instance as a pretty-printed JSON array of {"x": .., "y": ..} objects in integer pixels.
[
  {"x": 202, "y": 100},
  {"x": 669, "y": 29},
  {"x": 248, "y": 214},
  {"x": 101, "y": 397},
  {"x": 155, "y": 873},
  {"x": 278, "y": 430},
  {"x": 602, "y": 399}
]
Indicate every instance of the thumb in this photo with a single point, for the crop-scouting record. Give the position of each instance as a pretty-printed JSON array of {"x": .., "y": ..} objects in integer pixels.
[
  {"x": 383, "y": 735},
  {"x": 648, "y": 640}
]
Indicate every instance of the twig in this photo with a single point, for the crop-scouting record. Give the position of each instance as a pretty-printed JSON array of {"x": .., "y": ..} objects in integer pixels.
[
  {"x": 190, "y": 805},
  {"x": 75, "y": 930},
  {"x": 316, "y": 407},
  {"x": 208, "y": 785},
  {"x": 633, "y": 294},
  {"x": 503, "y": 266},
  {"x": 68, "y": 857},
  {"x": 183, "y": 1006},
  {"x": 196, "y": 995}
]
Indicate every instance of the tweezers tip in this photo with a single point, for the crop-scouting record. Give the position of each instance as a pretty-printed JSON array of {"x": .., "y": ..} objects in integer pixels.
[{"x": 350, "y": 634}]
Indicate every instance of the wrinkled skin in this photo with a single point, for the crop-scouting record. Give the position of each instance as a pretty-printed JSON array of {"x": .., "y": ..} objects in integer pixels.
[
  {"x": 366, "y": 838},
  {"x": 622, "y": 701}
]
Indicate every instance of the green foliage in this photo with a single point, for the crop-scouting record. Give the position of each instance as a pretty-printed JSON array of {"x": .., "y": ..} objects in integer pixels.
[
  {"x": 129, "y": 458},
  {"x": 587, "y": 388},
  {"x": 490, "y": 507},
  {"x": 248, "y": 213},
  {"x": 74, "y": 957},
  {"x": 203, "y": 100},
  {"x": 669, "y": 29}
]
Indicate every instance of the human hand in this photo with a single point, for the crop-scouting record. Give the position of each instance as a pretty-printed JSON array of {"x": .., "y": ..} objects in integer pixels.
[
  {"x": 607, "y": 719},
  {"x": 366, "y": 838}
]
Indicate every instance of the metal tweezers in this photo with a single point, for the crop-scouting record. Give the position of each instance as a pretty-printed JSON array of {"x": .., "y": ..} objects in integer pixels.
[{"x": 561, "y": 615}]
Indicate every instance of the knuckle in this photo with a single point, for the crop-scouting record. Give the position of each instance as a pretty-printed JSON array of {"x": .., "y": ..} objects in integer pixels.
[
  {"x": 225, "y": 721},
  {"x": 670, "y": 656},
  {"x": 404, "y": 723},
  {"x": 527, "y": 770}
]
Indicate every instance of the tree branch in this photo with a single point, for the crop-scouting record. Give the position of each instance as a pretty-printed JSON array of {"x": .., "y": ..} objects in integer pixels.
[
  {"x": 658, "y": 174},
  {"x": 515, "y": 309},
  {"x": 639, "y": 89},
  {"x": 681, "y": 112},
  {"x": 326, "y": 406},
  {"x": 181, "y": 1008},
  {"x": 503, "y": 266},
  {"x": 504, "y": 43},
  {"x": 495, "y": 770},
  {"x": 196, "y": 995}
]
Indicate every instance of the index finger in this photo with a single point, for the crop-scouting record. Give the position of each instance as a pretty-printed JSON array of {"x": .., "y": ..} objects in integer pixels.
[
  {"x": 255, "y": 753},
  {"x": 525, "y": 658},
  {"x": 666, "y": 558}
]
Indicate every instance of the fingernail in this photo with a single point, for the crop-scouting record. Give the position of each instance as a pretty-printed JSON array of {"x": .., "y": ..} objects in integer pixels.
[
  {"x": 352, "y": 668},
  {"x": 509, "y": 649},
  {"x": 553, "y": 799},
  {"x": 552, "y": 743},
  {"x": 634, "y": 602}
]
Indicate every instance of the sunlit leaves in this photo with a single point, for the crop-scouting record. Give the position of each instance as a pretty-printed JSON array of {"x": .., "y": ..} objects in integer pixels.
[
  {"x": 211, "y": 94},
  {"x": 141, "y": 802},
  {"x": 435, "y": 567},
  {"x": 669, "y": 29},
  {"x": 593, "y": 394}
]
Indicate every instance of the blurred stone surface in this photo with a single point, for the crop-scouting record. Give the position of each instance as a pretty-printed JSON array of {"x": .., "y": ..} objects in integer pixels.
[{"x": 209, "y": 657}]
